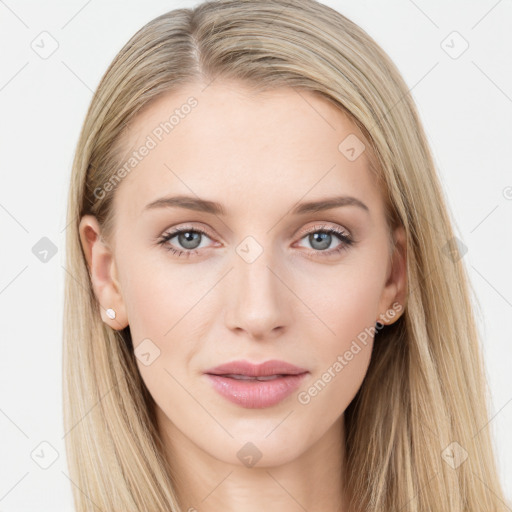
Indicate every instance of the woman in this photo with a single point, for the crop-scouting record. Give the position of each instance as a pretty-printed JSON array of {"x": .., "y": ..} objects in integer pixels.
[{"x": 266, "y": 307}]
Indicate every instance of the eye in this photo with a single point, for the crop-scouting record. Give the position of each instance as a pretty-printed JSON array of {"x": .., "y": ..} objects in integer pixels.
[
  {"x": 321, "y": 237},
  {"x": 188, "y": 238}
]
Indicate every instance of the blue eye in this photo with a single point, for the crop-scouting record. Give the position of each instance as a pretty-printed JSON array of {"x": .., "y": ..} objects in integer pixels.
[
  {"x": 187, "y": 237},
  {"x": 320, "y": 238}
]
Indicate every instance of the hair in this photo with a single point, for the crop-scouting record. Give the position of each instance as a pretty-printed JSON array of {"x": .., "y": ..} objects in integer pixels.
[{"x": 425, "y": 387}]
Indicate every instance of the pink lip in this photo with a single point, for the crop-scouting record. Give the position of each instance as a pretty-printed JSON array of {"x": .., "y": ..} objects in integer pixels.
[
  {"x": 273, "y": 367},
  {"x": 254, "y": 394}
]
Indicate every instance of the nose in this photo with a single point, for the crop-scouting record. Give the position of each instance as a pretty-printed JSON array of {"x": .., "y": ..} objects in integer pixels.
[{"x": 259, "y": 301}]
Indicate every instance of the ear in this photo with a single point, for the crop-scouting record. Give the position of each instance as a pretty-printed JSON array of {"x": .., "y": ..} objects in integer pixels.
[
  {"x": 392, "y": 303},
  {"x": 103, "y": 272}
]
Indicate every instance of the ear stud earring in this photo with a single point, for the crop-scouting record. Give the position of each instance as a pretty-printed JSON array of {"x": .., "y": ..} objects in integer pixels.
[{"x": 110, "y": 313}]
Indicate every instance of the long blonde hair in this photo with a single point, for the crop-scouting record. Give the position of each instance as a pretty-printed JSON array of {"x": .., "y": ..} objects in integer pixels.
[{"x": 422, "y": 407}]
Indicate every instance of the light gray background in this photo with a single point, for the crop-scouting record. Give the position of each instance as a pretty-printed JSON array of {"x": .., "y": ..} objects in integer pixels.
[{"x": 465, "y": 104}]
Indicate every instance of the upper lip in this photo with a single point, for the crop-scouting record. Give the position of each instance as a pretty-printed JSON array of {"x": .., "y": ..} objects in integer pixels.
[{"x": 266, "y": 369}]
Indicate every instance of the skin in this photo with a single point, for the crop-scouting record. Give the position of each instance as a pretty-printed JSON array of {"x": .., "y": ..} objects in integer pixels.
[{"x": 258, "y": 155}]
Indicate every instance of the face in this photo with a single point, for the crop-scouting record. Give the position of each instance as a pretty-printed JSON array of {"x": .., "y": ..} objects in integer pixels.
[{"x": 260, "y": 277}]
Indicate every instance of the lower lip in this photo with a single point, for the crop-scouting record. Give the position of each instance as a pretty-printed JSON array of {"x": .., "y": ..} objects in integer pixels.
[{"x": 256, "y": 394}]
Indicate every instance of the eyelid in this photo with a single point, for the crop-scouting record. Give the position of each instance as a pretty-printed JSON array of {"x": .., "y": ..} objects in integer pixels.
[
  {"x": 344, "y": 236},
  {"x": 184, "y": 227},
  {"x": 319, "y": 226}
]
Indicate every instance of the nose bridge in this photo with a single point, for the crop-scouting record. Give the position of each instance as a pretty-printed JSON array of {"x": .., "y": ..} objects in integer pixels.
[{"x": 258, "y": 305}]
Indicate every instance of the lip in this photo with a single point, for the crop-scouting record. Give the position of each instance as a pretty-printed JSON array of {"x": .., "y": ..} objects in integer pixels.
[
  {"x": 272, "y": 367},
  {"x": 256, "y": 394}
]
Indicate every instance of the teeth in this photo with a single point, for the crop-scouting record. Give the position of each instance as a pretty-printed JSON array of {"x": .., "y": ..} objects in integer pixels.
[{"x": 246, "y": 377}]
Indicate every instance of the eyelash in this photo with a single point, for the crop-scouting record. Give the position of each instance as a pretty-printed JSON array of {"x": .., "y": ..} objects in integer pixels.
[{"x": 346, "y": 240}]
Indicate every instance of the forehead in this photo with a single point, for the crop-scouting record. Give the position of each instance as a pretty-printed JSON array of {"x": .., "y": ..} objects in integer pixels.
[{"x": 255, "y": 147}]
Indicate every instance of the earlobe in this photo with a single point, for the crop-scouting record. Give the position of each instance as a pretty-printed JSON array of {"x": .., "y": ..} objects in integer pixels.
[
  {"x": 395, "y": 291},
  {"x": 102, "y": 271}
]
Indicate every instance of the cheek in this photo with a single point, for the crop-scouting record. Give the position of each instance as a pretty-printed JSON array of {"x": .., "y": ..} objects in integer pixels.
[
  {"x": 165, "y": 308},
  {"x": 345, "y": 303},
  {"x": 341, "y": 359},
  {"x": 159, "y": 295},
  {"x": 345, "y": 300}
]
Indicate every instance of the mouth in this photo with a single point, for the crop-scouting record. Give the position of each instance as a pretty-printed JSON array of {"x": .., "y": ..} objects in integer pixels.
[{"x": 256, "y": 386}]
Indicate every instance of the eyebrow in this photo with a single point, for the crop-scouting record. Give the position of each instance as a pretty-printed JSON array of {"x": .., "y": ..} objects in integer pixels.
[{"x": 203, "y": 205}]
